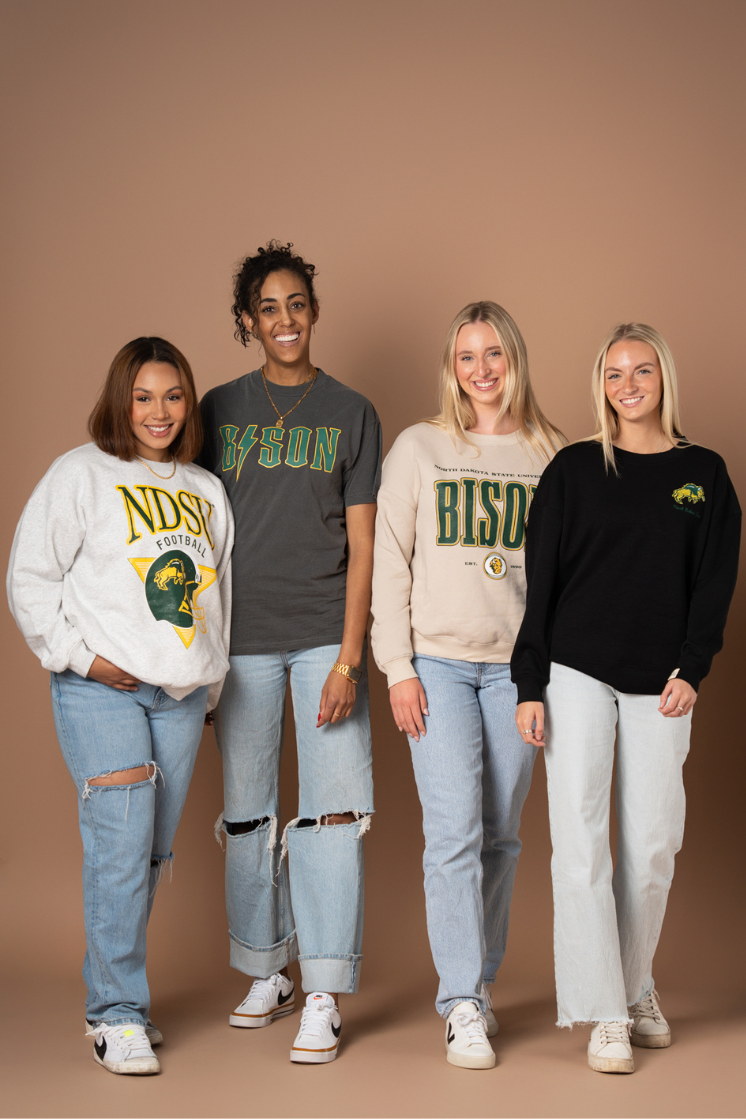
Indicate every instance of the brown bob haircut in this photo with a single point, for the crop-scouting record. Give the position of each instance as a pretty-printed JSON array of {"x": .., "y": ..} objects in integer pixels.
[{"x": 109, "y": 424}]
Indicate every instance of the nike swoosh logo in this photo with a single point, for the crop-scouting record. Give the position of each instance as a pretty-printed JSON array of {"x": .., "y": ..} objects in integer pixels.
[
  {"x": 451, "y": 1035},
  {"x": 284, "y": 998},
  {"x": 100, "y": 1049},
  {"x": 337, "y": 1030}
]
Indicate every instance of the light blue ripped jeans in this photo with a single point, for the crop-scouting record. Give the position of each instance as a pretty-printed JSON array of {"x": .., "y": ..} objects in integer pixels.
[
  {"x": 473, "y": 773},
  {"x": 323, "y": 926},
  {"x": 127, "y": 830}
]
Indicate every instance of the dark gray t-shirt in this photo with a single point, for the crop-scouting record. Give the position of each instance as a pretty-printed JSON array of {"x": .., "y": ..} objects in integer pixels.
[{"x": 289, "y": 488}]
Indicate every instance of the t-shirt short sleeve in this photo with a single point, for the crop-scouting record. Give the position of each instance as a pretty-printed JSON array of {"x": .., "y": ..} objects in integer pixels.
[{"x": 361, "y": 480}]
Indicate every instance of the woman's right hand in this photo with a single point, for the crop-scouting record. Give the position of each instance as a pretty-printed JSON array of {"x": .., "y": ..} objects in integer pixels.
[
  {"x": 529, "y": 718},
  {"x": 409, "y": 704},
  {"x": 107, "y": 673}
]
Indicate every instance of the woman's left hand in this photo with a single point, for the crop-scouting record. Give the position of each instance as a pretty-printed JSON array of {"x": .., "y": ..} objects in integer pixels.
[
  {"x": 677, "y": 699},
  {"x": 337, "y": 699}
]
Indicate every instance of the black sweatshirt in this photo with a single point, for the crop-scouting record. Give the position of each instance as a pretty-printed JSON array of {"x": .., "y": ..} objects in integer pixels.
[{"x": 629, "y": 576}]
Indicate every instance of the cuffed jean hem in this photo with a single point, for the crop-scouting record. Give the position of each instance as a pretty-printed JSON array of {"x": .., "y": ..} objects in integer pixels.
[
  {"x": 479, "y": 1003},
  {"x": 339, "y": 974},
  {"x": 262, "y": 962},
  {"x": 117, "y": 1021}
]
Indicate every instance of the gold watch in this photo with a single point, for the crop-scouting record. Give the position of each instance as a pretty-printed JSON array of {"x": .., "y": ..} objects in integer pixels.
[{"x": 353, "y": 674}]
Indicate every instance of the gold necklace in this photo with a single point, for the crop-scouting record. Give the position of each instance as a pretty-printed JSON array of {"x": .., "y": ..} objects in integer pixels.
[
  {"x": 280, "y": 418},
  {"x": 163, "y": 477}
]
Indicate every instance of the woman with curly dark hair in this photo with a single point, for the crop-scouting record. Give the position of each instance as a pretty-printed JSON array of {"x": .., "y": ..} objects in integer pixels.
[{"x": 299, "y": 454}]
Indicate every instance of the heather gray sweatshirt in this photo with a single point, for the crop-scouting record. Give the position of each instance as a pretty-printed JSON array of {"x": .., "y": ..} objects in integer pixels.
[{"x": 110, "y": 560}]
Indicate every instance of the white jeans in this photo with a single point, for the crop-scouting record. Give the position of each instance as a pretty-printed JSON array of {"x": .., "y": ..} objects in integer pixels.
[{"x": 606, "y": 930}]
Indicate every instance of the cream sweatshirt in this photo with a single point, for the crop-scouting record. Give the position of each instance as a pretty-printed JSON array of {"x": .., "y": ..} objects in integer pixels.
[
  {"x": 449, "y": 575},
  {"x": 110, "y": 560}
]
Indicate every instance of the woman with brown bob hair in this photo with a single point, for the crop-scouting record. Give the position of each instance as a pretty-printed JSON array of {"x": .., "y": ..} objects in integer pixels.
[
  {"x": 117, "y": 581},
  {"x": 109, "y": 425}
]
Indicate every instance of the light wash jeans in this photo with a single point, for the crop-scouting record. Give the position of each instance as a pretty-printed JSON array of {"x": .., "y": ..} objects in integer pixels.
[
  {"x": 323, "y": 927},
  {"x": 473, "y": 773},
  {"x": 127, "y": 830},
  {"x": 606, "y": 929}
]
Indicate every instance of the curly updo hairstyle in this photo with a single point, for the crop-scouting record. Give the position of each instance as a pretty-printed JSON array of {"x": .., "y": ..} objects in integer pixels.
[{"x": 253, "y": 271}]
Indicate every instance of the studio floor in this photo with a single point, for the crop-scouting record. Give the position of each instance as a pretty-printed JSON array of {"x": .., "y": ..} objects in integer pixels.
[{"x": 392, "y": 1062}]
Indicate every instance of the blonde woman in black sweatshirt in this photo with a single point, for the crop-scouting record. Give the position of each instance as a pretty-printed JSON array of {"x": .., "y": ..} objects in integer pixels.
[{"x": 631, "y": 561}]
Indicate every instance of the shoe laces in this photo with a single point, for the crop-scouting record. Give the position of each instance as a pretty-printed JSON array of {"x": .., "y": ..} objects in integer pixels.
[
  {"x": 474, "y": 1025},
  {"x": 648, "y": 1007},
  {"x": 131, "y": 1039},
  {"x": 613, "y": 1031},
  {"x": 315, "y": 1020},
  {"x": 263, "y": 988}
]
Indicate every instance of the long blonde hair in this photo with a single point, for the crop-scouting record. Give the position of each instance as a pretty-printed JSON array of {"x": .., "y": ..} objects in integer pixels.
[
  {"x": 456, "y": 412},
  {"x": 607, "y": 421}
]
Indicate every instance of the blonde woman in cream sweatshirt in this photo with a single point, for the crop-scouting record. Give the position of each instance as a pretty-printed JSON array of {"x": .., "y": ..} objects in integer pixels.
[
  {"x": 119, "y": 580},
  {"x": 449, "y": 592}
]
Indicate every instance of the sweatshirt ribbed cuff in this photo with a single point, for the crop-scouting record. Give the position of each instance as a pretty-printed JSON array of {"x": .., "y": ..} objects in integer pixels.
[
  {"x": 530, "y": 690},
  {"x": 398, "y": 670},
  {"x": 81, "y": 658},
  {"x": 691, "y": 673}
]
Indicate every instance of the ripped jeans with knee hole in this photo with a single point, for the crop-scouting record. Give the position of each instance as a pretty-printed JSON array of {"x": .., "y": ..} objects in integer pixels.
[
  {"x": 127, "y": 829},
  {"x": 318, "y": 866}
]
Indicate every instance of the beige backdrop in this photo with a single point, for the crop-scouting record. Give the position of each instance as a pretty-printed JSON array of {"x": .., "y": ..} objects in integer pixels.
[{"x": 579, "y": 162}]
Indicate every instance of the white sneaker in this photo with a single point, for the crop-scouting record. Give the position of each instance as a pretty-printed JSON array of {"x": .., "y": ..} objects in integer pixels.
[
  {"x": 268, "y": 999},
  {"x": 124, "y": 1049},
  {"x": 609, "y": 1049},
  {"x": 651, "y": 1030},
  {"x": 152, "y": 1033},
  {"x": 466, "y": 1038},
  {"x": 320, "y": 1026},
  {"x": 489, "y": 1017}
]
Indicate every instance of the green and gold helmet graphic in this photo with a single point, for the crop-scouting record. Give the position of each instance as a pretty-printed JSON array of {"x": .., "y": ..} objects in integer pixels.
[
  {"x": 690, "y": 492},
  {"x": 495, "y": 566},
  {"x": 169, "y": 589},
  {"x": 172, "y": 583}
]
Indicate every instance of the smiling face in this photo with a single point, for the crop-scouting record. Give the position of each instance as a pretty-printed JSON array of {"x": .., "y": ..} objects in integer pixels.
[
  {"x": 284, "y": 319},
  {"x": 633, "y": 382},
  {"x": 481, "y": 368},
  {"x": 159, "y": 410}
]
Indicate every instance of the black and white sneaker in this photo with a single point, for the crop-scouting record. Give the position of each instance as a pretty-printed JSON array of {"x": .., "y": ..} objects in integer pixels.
[
  {"x": 466, "y": 1038},
  {"x": 124, "y": 1049},
  {"x": 320, "y": 1026},
  {"x": 152, "y": 1033},
  {"x": 268, "y": 999}
]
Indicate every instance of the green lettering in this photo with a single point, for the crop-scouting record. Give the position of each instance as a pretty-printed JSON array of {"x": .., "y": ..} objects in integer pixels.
[
  {"x": 163, "y": 525},
  {"x": 228, "y": 433},
  {"x": 446, "y": 503},
  {"x": 514, "y": 519},
  {"x": 271, "y": 445},
  {"x": 132, "y": 506},
  {"x": 205, "y": 520},
  {"x": 190, "y": 513},
  {"x": 469, "y": 486},
  {"x": 297, "y": 452},
  {"x": 326, "y": 448},
  {"x": 489, "y": 529}
]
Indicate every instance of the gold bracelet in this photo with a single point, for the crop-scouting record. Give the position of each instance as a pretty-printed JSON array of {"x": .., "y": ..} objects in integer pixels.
[{"x": 348, "y": 671}]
